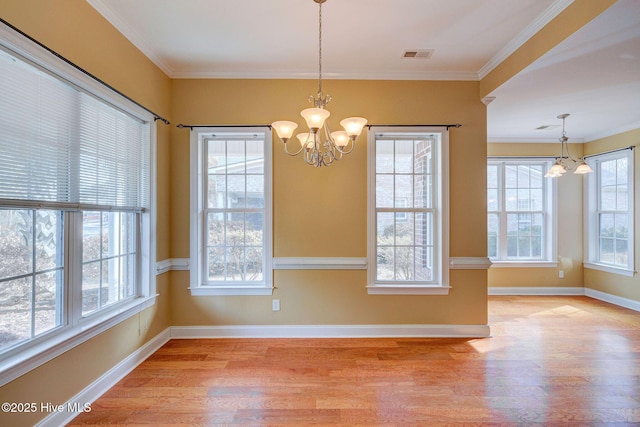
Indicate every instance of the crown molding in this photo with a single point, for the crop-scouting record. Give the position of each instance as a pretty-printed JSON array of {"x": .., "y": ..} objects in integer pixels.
[{"x": 547, "y": 16}]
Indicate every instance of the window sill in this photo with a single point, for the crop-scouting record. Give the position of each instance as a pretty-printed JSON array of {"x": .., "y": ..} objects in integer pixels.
[
  {"x": 203, "y": 291},
  {"x": 31, "y": 357},
  {"x": 609, "y": 269},
  {"x": 524, "y": 264},
  {"x": 407, "y": 290}
]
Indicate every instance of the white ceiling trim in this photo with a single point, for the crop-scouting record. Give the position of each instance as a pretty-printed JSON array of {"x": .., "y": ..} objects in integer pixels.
[
  {"x": 542, "y": 20},
  {"x": 506, "y": 140},
  {"x": 132, "y": 35},
  {"x": 611, "y": 132},
  {"x": 443, "y": 75}
]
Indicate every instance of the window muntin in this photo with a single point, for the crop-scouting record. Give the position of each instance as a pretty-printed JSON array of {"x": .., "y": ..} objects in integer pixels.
[
  {"x": 233, "y": 206},
  {"x": 67, "y": 145},
  {"x": 408, "y": 204},
  {"x": 609, "y": 240},
  {"x": 520, "y": 211}
]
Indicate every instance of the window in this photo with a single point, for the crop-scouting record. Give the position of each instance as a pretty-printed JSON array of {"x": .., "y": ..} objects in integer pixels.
[
  {"x": 609, "y": 239},
  {"x": 521, "y": 214},
  {"x": 231, "y": 211},
  {"x": 408, "y": 218},
  {"x": 76, "y": 210}
]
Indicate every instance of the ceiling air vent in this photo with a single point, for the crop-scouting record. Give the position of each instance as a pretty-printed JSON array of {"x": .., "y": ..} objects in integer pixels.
[{"x": 417, "y": 53}]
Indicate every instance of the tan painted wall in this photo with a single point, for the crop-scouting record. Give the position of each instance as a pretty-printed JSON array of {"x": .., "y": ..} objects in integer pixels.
[
  {"x": 625, "y": 287},
  {"x": 323, "y": 212},
  {"x": 569, "y": 225},
  {"x": 75, "y": 30}
]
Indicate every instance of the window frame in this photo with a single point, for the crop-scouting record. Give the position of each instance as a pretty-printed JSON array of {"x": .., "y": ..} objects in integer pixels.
[
  {"x": 198, "y": 186},
  {"x": 592, "y": 185},
  {"x": 75, "y": 328},
  {"x": 549, "y": 211},
  {"x": 440, "y": 197}
]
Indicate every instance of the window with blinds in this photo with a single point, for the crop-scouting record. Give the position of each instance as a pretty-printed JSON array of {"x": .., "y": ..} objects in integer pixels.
[
  {"x": 76, "y": 205},
  {"x": 63, "y": 146}
]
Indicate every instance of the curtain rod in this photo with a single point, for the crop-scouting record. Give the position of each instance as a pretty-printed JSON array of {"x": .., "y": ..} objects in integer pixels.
[
  {"x": 156, "y": 117},
  {"x": 631, "y": 147},
  {"x": 457, "y": 125},
  {"x": 181, "y": 126}
]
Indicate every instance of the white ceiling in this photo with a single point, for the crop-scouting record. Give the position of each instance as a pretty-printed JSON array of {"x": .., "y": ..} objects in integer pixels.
[{"x": 594, "y": 75}]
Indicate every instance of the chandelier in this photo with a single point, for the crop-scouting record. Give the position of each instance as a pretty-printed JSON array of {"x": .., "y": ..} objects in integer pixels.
[
  {"x": 318, "y": 149},
  {"x": 565, "y": 162}
]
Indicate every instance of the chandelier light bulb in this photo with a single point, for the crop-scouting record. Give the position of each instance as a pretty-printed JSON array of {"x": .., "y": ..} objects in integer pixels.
[
  {"x": 284, "y": 129},
  {"x": 315, "y": 117},
  {"x": 353, "y": 126},
  {"x": 305, "y": 140},
  {"x": 582, "y": 169},
  {"x": 341, "y": 138}
]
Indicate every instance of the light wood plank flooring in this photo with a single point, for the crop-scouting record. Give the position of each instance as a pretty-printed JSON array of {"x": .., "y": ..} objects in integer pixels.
[{"x": 551, "y": 361}]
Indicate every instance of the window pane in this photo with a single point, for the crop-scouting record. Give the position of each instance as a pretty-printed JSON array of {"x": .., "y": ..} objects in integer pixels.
[
  {"x": 385, "y": 263},
  {"x": 15, "y": 311},
  {"x": 236, "y": 157},
  {"x": 622, "y": 255},
  {"x": 217, "y": 191},
  {"x": 16, "y": 236},
  {"x": 30, "y": 244},
  {"x": 255, "y": 157},
  {"x": 385, "y": 195},
  {"x": 386, "y": 228},
  {"x": 607, "y": 253},
  {"x": 492, "y": 199},
  {"x": 404, "y": 189},
  {"x": 47, "y": 301},
  {"x": 404, "y": 156},
  {"x": 109, "y": 248},
  {"x": 384, "y": 157},
  {"x": 216, "y": 158},
  {"x": 255, "y": 191},
  {"x": 493, "y": 231},
  {"x": 404, "y": 263},
  {"x": 236, "y": 192}
]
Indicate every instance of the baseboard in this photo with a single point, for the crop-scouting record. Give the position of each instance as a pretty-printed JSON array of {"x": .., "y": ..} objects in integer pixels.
[
  {"x": 75, "y": 405},
  {"x": 331, "y": 331},
  {"x": 613, "y": 299},
  {"x": 533, "y": 290}
]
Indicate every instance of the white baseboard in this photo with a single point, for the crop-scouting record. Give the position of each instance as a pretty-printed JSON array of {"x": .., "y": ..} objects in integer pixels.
[
  {"x": 331, "y": 331},
  {"x": 533, "y": 290},
  {"x": 93, "y": 391},
  {"x": 613, "y": 299}
]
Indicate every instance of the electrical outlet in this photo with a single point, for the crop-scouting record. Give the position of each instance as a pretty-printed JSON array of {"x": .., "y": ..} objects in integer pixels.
[
  {"x": 561, "y": 274},
  {"x": 275, "y": 305}
]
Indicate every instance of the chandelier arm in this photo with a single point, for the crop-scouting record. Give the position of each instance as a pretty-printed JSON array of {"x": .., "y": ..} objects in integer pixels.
[{"x": 292, "y": 154}]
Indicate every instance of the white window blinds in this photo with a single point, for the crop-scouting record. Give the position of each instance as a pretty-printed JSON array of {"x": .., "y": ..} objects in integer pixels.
[{"x": 60, "y": 145}]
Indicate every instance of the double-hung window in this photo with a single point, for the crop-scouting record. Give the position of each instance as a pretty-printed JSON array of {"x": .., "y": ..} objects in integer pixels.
[
  {"x": 609, "y": 235},
  {"x": 76, "y": 245},
  {"x": 521, "y": 213},
  {"x": 231, "y": 249},
  {"x": 408, "y": 210}
]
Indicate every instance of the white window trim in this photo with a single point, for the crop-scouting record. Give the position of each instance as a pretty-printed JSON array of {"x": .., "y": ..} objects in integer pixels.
[
  {"x": 551, "y": 242},
  {"x": 591, "y": 184},
  {"x": 197, "y": 286},
  {"x": 56, "y": 342},
  {"x": 441, "y": 221}
]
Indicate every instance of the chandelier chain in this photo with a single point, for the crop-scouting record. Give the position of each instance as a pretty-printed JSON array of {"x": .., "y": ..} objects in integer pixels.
[{"x": 320, "y": 48}]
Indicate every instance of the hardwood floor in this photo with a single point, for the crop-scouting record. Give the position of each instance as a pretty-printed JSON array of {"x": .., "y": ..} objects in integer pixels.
[{"x": 551, "y": 361}]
